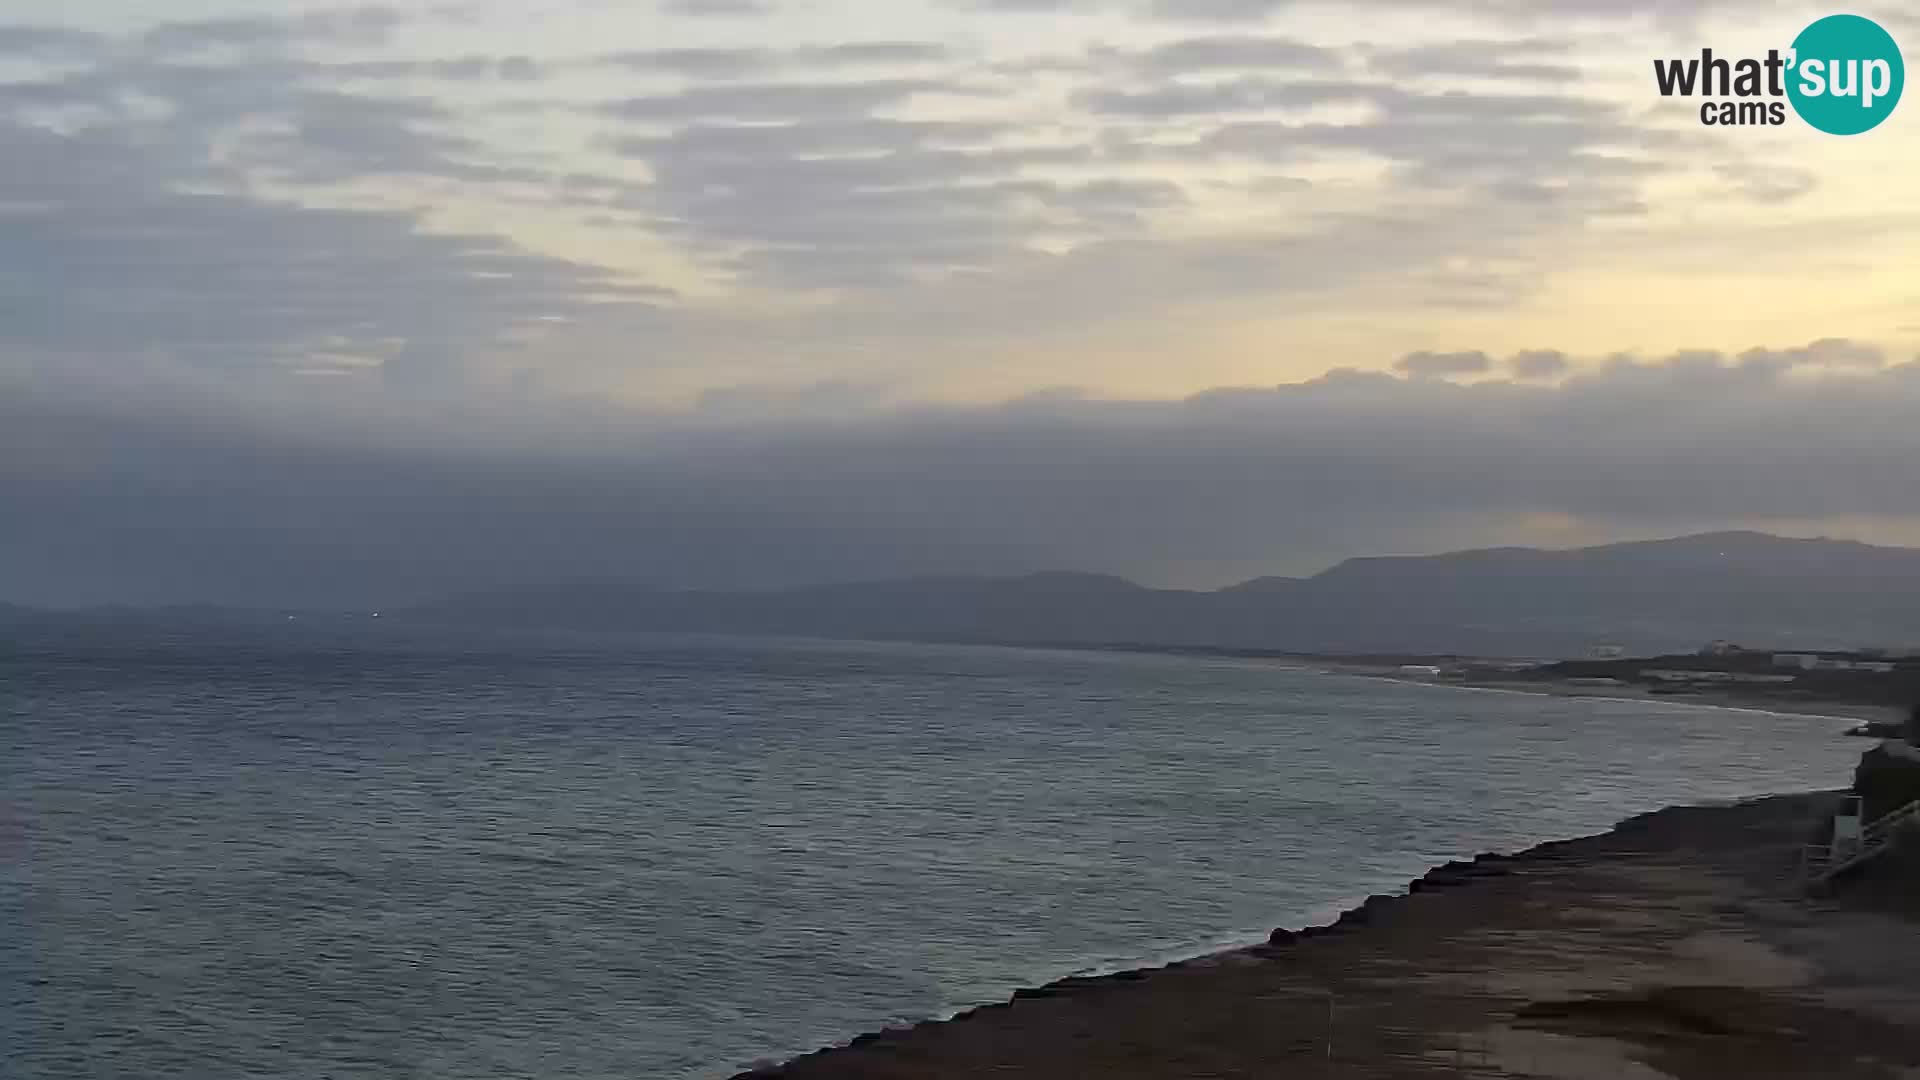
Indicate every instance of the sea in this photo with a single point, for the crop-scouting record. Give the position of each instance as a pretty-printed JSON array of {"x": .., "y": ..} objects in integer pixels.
[{"x": 392, "y": 851}]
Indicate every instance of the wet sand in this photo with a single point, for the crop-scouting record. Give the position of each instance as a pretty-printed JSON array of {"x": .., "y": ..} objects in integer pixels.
[{"x": 1677, "y": 945}]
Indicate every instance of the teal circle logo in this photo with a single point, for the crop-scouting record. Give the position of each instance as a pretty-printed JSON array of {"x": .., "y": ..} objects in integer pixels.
[{"x": 1847, "y": 75}]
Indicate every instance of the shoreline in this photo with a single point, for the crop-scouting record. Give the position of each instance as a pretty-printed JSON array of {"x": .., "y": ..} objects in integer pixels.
[
  {"x": 1486, "y": 678},
  {"x": 1689, "y": 915},
  {"x": 1626, "y": 692}
]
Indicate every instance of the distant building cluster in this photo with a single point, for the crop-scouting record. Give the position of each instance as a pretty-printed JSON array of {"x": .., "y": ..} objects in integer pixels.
[
  {"x": 1871, "y": 660},
  {"x": 1677, "y": 676},
  {"x": 1875, "y": 675},
  {"x": 1823, "y": 662}
]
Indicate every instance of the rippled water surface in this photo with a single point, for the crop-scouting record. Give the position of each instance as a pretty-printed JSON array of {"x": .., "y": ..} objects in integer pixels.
[{"x": 393, "y": 854}]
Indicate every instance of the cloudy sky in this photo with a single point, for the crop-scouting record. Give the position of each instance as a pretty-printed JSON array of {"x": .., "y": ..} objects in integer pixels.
[{"x": 305, "y": 303}]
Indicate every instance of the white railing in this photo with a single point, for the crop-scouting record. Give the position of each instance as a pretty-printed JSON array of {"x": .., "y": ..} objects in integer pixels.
[
  {"x": 1881, "y": 829},
  {"x": 1823, "y": 863}
]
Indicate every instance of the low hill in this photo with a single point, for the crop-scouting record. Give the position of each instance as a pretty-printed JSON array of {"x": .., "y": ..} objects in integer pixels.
[{"x": 1648, "y": 596}]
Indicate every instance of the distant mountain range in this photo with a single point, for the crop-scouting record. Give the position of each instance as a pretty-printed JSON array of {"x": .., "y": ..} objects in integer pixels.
[{"x": 1652, "y": 596}]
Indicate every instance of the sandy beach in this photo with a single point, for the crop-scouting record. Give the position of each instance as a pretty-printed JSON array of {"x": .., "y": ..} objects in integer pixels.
[{"x": 1677, "y": 945}]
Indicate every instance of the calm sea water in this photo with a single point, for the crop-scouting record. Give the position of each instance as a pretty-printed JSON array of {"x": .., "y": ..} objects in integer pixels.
[{"x": 385, "y": 854}]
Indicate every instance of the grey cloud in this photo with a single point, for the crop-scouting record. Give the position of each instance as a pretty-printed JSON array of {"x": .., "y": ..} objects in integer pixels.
[
  {"x": 1217, "y": 10},
  {"x": 319, "y": 511},
  {"x": 1905, "y": 21},
  {"x": 514, "y": 69},
  {"x": 283, "y": 116},
  {"x": 803, "y": 180},
  {"x": 701, "y": 62},
  {"x": 1223, "y": 98},
  {"x": 1835, "y": 353},
  {"x": 109, "y": 264},
  {"x": 1425, "y": 364},
  {"x": 1237, "y": 52},
  {"x": 1680, "y": 18},
  {"x": 1331, "y": 259},
  {"x": 1539, "y": 364},
  {"x": 1487, "y": 59},
  {"x": 787, "y": 200},
  {"x": 348, "y": 26},
  {"x": 299, "y": 132},
  {"x": 1568, "y": 156},
  {"x": 1767, "y": 183},
  {"x": 777, "y": 142},
  {"x": 49, "y": 42},
  {"x": 773, "y": 101},
  {"x": 719, "y": 8},
  {"x": 1275, "y": 185},
  {"x": 1441, "y": 129},
  {"x": 57, "y": 92},
  {"x": 1124, "y": 196},
  {"x": 874, "y": 52},
  {"x": 797, "y": 182},
  {"x": 1672, "y": 13},
  {"x": 826, "y": 401},
  {"x": 717, "y": 63},
  {"x": 330, "y": 137},
  {"x": 1034, "y": 7},
  {"x": 862, "y": 201}
]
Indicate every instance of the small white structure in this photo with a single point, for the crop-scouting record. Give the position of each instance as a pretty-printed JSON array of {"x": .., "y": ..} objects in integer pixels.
[
  {"x": 1607, "y": 652},
  {"x": 1846, "y": 831},
  {"x": 1803, "y": 661},
  {"x": 1855, "y": 842},
  {"x": 1420, "y": 671},
  {"x": 1720, "y": 647}
]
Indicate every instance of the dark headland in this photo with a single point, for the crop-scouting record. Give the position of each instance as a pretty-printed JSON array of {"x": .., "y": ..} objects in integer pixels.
[{"x": 1680, "y": 944}]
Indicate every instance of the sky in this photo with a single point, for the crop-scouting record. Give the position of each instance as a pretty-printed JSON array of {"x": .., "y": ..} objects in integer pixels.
[{"x": 304, "y": 303}]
